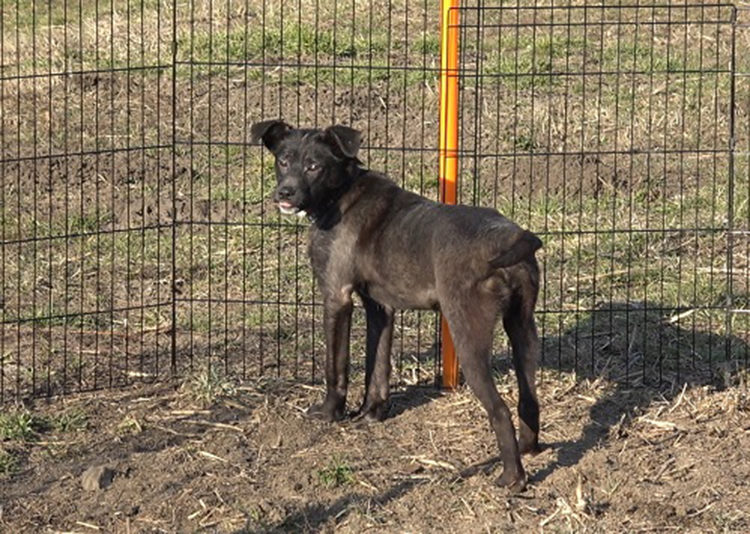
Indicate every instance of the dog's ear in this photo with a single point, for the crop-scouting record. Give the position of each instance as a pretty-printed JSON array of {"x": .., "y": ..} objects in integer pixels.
[
  {"x": 271, "y": 132},
  {"x": 344, "y": 140}
]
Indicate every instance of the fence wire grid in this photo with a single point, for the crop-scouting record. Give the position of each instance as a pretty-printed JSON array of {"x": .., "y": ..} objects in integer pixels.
[{"x": 138, "y": 243}]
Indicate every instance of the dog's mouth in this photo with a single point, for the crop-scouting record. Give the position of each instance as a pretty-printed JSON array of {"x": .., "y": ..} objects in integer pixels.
[{"x": 287, "y": 208}]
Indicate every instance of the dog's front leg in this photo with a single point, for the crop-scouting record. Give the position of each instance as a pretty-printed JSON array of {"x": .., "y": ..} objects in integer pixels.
[
  {"x": 378, "y": 360},
  {"x": 337, "y": 319}
]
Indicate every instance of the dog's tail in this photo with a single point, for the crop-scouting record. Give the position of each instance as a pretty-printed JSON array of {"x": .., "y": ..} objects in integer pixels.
[{"x": 526, "y": 244}]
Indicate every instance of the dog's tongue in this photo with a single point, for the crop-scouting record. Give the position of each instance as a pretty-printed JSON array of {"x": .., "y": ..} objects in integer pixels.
[{"x": 287, "y": 208}]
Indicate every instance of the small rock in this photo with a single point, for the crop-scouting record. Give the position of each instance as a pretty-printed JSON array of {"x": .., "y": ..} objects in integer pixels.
[
  {"x": 97, "y": 477},
  {"x": 129, "y": 510}
]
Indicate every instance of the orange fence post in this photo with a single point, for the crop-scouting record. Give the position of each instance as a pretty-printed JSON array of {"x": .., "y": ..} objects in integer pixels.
[{"x": 448, "y": 149}]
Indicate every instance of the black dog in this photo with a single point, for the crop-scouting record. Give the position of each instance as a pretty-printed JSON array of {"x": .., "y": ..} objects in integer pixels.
[{"x": 399, "y": 250}]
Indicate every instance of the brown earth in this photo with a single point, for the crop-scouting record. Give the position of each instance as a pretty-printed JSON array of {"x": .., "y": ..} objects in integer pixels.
[{"x": 616, "y": 460}]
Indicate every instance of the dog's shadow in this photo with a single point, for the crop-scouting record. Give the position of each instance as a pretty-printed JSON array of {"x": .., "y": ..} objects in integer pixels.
[
  {"x": 411, "y": 397},
  {"x": 644, "y": 356}
]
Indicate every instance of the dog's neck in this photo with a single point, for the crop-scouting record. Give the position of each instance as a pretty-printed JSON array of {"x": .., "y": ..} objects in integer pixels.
[{"x": 328, "y": 215}]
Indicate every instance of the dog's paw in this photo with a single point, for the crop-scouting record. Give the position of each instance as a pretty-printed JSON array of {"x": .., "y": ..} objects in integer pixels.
[
  {"x": 372, "y": 413},
  {"x": 513, "y": 480},
  {"x": 532, "y": 448},
  {"x": 326, "y": 412}
]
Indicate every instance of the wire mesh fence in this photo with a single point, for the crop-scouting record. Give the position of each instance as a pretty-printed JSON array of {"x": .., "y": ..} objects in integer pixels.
[
  {"x": 610, "y": 130},
  {"x": 138, "y": 243},
  {"x": 87, "y": 108}
]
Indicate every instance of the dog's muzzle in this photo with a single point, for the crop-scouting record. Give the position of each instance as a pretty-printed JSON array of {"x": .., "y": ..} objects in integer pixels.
[{"x": 287, "y": 208}]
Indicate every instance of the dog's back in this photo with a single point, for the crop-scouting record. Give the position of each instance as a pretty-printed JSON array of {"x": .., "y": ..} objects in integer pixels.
[{"x": 407, "y": 245}]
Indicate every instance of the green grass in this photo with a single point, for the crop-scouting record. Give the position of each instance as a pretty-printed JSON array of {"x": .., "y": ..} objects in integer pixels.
[
  {"x": 26, "y": 16},
  {"x": 68, "y": 421},
  {"x": 207, "y": 387},
  {"x": 26, "y": 426},
  {"x": 532, "y": 55},
  {"x": 359, "y": 75},
  {"x": 641, "y": 57},
  {"x": 106, "y": 43},
  {"x": 20, "y": 426},
  {"x": 129, "y": 425},
  {"x": 336, "y": 474},
  {"x": 87, "y": 275},
  {"x": 291, "y": 40},
  {"x": 8, "y": 463},
  {"x": 528, "y": 57}
]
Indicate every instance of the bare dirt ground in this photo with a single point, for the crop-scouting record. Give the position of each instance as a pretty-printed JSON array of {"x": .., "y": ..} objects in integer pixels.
[{"x": 229, "y": 457}]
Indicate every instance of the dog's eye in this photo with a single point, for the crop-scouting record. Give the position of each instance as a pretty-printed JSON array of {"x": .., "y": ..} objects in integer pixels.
[
  {"x": 313, "y": 167},
  {"x": 283, "y": 163}
]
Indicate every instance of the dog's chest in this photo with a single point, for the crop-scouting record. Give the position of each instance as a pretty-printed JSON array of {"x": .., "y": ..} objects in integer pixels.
[{"x": 330, "y": 253}]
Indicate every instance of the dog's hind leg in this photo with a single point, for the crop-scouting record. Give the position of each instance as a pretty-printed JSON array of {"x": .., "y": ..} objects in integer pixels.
[
  {"x": 521, "y": 329},
  {"x": 519, "y": 324},
  {"x": 378, "y": 360},
  {"x": 472, "y": 335}
]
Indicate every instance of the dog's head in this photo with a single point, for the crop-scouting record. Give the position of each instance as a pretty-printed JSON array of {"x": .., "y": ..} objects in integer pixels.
[{"x": 312, "y": 166}]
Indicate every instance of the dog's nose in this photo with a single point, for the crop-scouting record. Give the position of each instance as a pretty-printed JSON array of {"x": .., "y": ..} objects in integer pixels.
[{"x": 286, "y": 192}]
